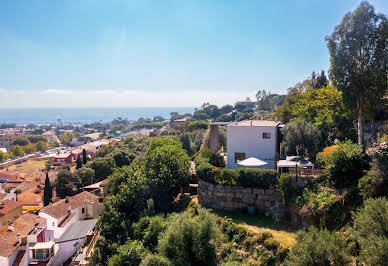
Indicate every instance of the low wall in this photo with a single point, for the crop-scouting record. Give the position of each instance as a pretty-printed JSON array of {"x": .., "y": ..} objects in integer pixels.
[{"x": 227, "y": 197}]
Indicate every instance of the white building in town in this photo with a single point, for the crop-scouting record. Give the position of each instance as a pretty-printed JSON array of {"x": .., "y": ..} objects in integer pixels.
[{"x": 259, "y": 139}]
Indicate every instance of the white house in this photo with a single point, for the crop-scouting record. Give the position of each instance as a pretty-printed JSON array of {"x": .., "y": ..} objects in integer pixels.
[
  {"x": 259, "y": 139},
  {"x": 62, "y": 213}
]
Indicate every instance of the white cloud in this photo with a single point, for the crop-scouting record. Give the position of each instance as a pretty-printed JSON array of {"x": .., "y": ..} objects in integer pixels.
[
  {"x": 119, "y": 98},
  {"x": 2, "y": 90}
]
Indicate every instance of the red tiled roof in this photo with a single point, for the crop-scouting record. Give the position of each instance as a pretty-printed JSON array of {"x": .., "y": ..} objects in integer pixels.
[
  {"x": 7, "y": 206},
  {"x": 60, "y": 208},
  {"x": 29, "y": 198}
]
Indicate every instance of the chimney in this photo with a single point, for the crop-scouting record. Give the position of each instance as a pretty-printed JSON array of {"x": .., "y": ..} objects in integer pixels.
[
  {"x": 19, "y": 238},
  {"x": 67, "y": 199},
  {"x": 251, "y": 123}
]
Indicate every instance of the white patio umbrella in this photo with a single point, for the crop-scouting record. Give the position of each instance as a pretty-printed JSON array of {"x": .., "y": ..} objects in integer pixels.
[{"x": 251, "y": 162}]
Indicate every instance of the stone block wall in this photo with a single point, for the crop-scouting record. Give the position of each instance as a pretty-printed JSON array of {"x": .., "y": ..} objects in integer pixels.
[{"x": 227, "y": 197}]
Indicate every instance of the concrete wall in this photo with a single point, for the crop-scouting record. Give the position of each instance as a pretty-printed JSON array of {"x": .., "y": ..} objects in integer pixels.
[
  {"x": 226, "y": 197},
  {"x": 65, "y": 250},
  {"x": 249, "y": 139}
]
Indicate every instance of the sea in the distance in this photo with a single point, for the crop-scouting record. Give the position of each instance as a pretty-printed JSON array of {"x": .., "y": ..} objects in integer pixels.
[{"x": 84, "y": 115}]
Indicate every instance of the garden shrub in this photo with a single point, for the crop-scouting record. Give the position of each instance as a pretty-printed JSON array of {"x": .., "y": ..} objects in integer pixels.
[
  {"x": 197, "y": 125},
  {"x": 271, "y": 243},
  {"x": 265, "y": 235}
]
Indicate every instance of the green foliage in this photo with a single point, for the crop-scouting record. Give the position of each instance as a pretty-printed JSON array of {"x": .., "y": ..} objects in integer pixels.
[
  {"x": 148, "y": 229},
  {"x": 156, "y": 125},
  {"x": 167, "y": 168},
  {"x": 284, "y": 182},
  {"x": 103, "y": 167},
  {"x": 155, "y": 260},
  {"x": 225, "y": 118},
  {"x": 41, "y": 145},
  {"x": 122, "y": 157},
  {"x": 358, "y": 57},
  {"x": 373, "y": 183},
  {"x": 301, "y": 138},
  {"x": 16, "y": 150},
  {"x": 79, "y": 162},
  {"x": 67, "y": 184},
  {"x": 195, "y": 125},
  {"x": 21, "y": 141},
  {"x": 126, "y": 205},
  {"x": 47, "y": 192},
  {"x": 370, "y": 225},
  {"x": 3, "y": 156},
  {"x": 104, "y": 150},
  {"x": 164, "y": 141},
  {"x": 321, "y": 201},
  {"x": 131, "y": 253},
  {"x": 345, "y": 165},
  {"x": 66, "y": 137},
  {"x": 86, "y": 175},
  {"x": 318, "y": 247},
  {"x": 36, "y": 138},
  {"x": 259, "y": 178},
  {"x": 186, "y": 144},
  {"x": 190, "y": 240},
  {"x": 84, "y": 157}
]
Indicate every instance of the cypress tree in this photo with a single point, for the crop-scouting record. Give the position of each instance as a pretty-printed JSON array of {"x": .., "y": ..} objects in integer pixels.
[
  {"x": 79, "y": 162},
  {"x": 48, "y": 192},
  {"x": 84, "y": 157}
]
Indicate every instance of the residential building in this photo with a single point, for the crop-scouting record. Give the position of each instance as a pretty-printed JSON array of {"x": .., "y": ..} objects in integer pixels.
[
  {"x": 51, "y": 136},
  {"x": 6, "y": 140},
  {"x": 6, "y": 175},
  {"x": 64, "y": 158},
  {"x": 62, "y": 213},
  {"x": 9, "y": 211},
  {"x": 30, "y": 200},
  {"x": 26, "y": 241},
  {"x": 259, "y": 139}
]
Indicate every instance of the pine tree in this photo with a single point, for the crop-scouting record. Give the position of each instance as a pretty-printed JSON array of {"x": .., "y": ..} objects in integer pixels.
[
  {"x": 79, "y": 162},
  {"x": 84, "y": 157},
  {"x": 48, "y": 192}
]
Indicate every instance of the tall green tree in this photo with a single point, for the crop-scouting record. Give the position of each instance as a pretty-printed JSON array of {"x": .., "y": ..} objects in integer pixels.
[
  {"x": 84, "y": 157},
  {"x": 358, "y": 50},
  {"x": 67, "y": 184},
  {"x": 79, "y": 162},
  {"x": 48, "y": 191}
]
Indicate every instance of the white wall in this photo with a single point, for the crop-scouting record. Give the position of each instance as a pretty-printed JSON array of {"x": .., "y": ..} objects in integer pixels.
[
  {"x": 65, "y": 250},
  {"x": 249, "y": 139}
]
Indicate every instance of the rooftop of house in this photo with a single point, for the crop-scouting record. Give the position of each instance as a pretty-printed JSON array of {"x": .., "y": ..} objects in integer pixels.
[
  {"x": 94, "y": 186},
  {"x": 7, "y": 206},
  {"x": 94, "y": 136},
  {"x": 29, "y": 198},
  {"x": 9, "y": 173},
  {"x": 256, "y": 123},
  {"x": 49, "y": 133},
  {"x": 77, "y": 230},
  {"x": 23, "y": 225},
  {"x": 60, "y": 208},
  {"x": 62, "y": 155}
]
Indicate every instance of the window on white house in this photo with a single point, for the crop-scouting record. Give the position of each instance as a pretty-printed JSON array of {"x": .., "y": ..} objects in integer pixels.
[
  {"x": 239, "y": 156},
  {"x": 83, "y": 210},
  {"x": 266, "y": 135}
]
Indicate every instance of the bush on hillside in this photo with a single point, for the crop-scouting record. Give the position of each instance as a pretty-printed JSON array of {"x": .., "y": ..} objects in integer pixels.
[
  {"x": 345, "y": 165},
  {"x": 197, "y": 125},
  {"x": 318, "y": 247}
]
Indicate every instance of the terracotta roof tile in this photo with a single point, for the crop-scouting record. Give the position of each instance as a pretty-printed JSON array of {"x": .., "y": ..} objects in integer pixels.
[
  {"x": 8, "y": 205},
  {"x": 22, "y": 225},
  {"x": 29, "y": 198},
  {"x": 60, "y": 208}
]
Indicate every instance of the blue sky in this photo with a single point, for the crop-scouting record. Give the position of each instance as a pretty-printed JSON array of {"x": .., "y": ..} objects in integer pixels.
[{"x": 160, "y": 53}]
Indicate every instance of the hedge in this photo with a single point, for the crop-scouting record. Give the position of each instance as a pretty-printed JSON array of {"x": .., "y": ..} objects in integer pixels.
[{"x": 246, "y": 177}]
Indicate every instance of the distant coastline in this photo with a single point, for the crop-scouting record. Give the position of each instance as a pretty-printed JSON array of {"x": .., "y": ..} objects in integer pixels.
[{"x": 84, "y": 115}]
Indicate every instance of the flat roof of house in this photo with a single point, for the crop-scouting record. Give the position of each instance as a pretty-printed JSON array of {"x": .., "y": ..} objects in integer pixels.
[
  {"x": 23, "y": 225},
  {"x": 255, "y": 123},
  {"x": 60, "y": 208},
  {"x": 77, "y": 230}
]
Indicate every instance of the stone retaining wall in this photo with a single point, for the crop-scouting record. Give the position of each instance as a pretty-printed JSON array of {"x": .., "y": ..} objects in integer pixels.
[{"x": 227, "y": 197}]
